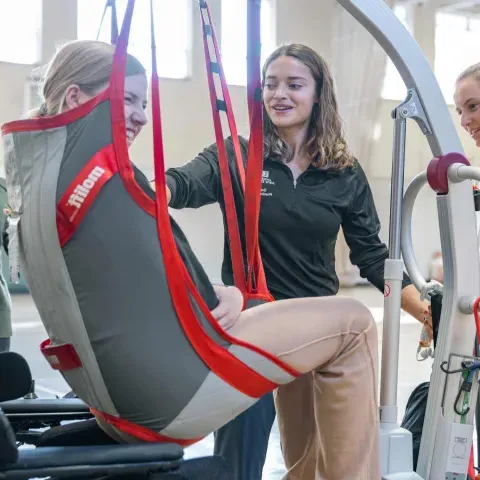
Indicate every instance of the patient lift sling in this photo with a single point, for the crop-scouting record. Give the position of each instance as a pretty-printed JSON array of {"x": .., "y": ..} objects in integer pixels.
[{"x": 246, "y": 368}]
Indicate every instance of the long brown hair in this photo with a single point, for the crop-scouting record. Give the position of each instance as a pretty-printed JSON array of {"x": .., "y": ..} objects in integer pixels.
[{"x": 325, "y": 143}]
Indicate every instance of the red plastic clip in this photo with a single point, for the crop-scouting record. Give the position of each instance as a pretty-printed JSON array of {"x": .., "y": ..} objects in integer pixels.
[{"x": 60, "y": 357}]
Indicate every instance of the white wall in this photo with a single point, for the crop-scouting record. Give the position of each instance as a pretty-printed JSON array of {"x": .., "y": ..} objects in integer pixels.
[{"x": 188, "y": 128}]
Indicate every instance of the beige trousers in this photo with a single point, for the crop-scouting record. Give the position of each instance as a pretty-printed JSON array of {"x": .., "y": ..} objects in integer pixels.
[{"x": 333, "y": 432}]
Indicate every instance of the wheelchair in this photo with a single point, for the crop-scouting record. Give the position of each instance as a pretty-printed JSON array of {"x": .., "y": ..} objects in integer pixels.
[{"x": 62, "y": 440}]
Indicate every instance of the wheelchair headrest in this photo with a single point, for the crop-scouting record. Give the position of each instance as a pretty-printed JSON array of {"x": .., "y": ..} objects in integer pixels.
[{"x": 15, "y": 376}]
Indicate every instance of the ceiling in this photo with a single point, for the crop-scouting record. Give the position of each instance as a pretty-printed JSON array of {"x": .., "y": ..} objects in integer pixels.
[{"x": 471, "y": 7}]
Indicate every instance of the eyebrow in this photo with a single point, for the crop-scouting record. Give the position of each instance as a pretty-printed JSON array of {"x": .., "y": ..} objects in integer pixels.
[{"x": 274, "y": 77}]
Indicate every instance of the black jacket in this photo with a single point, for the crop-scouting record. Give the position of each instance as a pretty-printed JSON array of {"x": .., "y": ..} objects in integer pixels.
[{"x": 299, "y": 223}]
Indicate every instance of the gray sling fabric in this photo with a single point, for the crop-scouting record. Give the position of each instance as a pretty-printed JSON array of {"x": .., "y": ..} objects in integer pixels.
[{"x": 105, "y": 290}]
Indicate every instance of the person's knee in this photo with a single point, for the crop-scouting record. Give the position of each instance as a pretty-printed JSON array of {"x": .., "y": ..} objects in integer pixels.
[{"x": 361, "y": 316}]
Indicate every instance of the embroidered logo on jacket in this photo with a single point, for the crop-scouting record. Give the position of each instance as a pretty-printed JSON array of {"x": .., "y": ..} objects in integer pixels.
[{"x": 266, "y": 180}]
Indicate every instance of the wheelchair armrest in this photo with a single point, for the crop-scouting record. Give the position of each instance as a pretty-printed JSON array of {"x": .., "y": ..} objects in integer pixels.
[
  {"x": 42, "y": 412},
  {"x": 62, "y": 406},
  {"x": 57, "y": 461}
]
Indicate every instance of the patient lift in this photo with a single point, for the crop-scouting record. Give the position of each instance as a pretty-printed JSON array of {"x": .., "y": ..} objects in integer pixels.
[{"x": 448, "y": 428}]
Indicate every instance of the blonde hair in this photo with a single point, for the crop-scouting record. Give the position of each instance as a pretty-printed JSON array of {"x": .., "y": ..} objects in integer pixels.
[
  {"x": 325, "y": 143},
  {"x": 86, "y": 63},
  {"x": 471, "y": 71}
]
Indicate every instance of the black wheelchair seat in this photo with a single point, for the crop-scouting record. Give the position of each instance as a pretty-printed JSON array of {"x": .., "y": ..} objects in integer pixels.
[
  {"x": 79, "y": 448},
  {"x": 75, "y": 434}
]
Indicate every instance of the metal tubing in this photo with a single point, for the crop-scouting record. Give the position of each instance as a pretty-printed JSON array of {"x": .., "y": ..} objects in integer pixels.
[
  {"x": 396, "y": 192},
  {"x": 393, "y": 278}
]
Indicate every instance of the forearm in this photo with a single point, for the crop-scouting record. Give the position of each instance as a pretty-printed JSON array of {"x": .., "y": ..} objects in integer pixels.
[{"x": 412, "y": 304}]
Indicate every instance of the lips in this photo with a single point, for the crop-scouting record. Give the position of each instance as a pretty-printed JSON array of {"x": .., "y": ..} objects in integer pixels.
[
  {"x": 474, "y": 132},
  {"x": 281, "y": 109},
  {"x": 131, "y": 134}
]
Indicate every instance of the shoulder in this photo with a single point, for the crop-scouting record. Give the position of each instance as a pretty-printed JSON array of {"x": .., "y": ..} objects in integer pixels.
[
  {"x": 242, "y": 140},
  {"x": 243, "y": 144},
  {"x": 353, "y": 182},
  {"x": 354, "y": 174}
]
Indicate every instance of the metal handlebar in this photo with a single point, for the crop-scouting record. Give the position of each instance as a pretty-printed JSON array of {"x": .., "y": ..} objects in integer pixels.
[{"x": 409, "y": 259}]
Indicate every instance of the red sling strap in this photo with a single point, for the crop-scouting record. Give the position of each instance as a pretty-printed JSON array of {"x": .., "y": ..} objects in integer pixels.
[
  {"x": 113, "y": 21},
  {"x": 256, "y": 277},
  {"x": 214, "y": 65},
  {"x": 182, "y": 288},
  {"x": 250, "y": 279}
]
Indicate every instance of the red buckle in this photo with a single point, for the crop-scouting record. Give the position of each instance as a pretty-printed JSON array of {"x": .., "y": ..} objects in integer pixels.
[{"x": 60, "y": 357}]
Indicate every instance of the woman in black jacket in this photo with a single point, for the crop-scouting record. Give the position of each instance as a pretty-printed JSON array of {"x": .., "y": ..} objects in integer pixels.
[{"x": 311, "y": 186}]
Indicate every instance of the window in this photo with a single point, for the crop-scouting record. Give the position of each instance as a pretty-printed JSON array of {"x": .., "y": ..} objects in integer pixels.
[
  {"x": 452, "y": 57},
  {"x": 20, "y": 31},
  {"x": 393, "y": 85},
  {"x": 234, "y": 38},
  {"x": 173, "y": 26}
]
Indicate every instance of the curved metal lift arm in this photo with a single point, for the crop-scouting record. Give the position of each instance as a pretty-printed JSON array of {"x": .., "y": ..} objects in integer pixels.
[{"x": 444, "y": 430}]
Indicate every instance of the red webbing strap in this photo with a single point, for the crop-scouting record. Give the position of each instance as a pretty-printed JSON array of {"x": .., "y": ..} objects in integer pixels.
[
  {"x": 215, "y": 65},
  {"x": 82, "y": 192},
  {"x": 218, "y": 359},
  {"x": 221, "y": 362},
  {"x": 140, "y": 432},
  {"x": 255, "y": 274},
  {"x": 117, "y": 113},
  {"x": 113, "y": 21},
  {"x": 255, "y": 271}
]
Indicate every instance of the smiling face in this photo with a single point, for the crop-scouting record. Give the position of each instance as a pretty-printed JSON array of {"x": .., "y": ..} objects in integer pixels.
[
  {"x": 289, "y": 93},
  {"x": 136, "y": 90},
  {"x": 467, "y": 104}
]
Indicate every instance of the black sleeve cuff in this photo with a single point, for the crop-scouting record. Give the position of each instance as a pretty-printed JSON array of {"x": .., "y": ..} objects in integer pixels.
[{"x": 172, "y": 186}]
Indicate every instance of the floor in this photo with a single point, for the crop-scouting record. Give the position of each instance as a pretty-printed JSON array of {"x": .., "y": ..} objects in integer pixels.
[{"x": 29, "y": 332}]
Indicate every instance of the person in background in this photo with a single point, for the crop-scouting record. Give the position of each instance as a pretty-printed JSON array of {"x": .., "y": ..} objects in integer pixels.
[
  {"x": 311, "y": 186},
  {"x": 467, "y": 101}
]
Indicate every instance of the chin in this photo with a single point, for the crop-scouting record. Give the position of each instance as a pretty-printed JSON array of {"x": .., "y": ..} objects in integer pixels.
[{"x": 284, "y": 123}]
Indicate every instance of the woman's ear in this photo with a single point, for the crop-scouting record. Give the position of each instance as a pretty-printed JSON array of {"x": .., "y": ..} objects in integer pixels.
[{"x": 73, "y": 96}]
